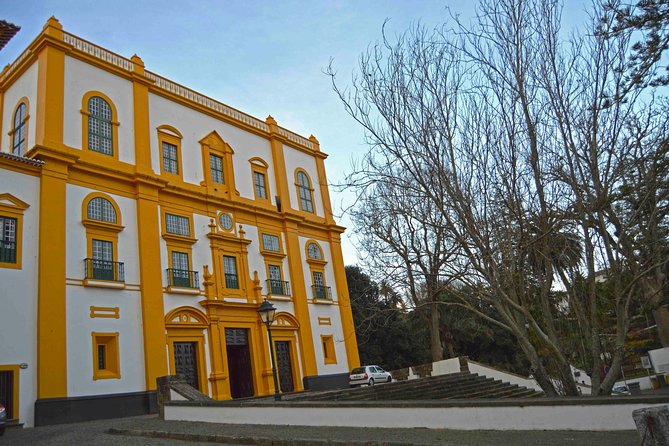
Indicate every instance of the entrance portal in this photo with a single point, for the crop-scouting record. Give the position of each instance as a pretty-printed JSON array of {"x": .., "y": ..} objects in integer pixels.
[
  {"x": 239, "y": 362},
  {"x": 283, "y": 364},
  {"x": 185, "y": 362}
]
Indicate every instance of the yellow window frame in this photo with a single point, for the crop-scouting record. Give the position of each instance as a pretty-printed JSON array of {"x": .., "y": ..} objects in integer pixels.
[
  {"x": 85, "y": 113},
  {"x": 14, "y": 209},
  {"x": 112, "y": 368}
]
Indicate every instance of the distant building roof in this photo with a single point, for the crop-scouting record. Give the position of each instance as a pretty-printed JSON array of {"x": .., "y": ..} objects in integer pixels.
[
  {"x": 21, "y": 159},
  {"x": 7, "y": 31}
]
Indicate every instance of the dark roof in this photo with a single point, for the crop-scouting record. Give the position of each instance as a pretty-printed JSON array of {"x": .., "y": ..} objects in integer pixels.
[
  {"x": 22, "y": 159},
  {"x": 7, "y": 31}
]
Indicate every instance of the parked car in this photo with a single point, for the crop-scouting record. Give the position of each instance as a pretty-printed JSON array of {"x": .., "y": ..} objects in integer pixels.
[
  {"x": 620, "y": 389},
  {"x": 369, "y": 375},
  {"x": 3, "y": 419}
]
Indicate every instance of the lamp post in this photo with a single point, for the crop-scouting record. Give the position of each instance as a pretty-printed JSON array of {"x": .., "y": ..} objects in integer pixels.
[{"x": 267, "y": 312}]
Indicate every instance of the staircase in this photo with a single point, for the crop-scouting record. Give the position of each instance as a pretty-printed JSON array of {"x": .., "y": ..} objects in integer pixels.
[{"x": 462, "y": 385}]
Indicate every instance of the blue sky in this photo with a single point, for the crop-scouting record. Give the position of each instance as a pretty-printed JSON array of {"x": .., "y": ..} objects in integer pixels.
[{"x": 262, "y": 57}]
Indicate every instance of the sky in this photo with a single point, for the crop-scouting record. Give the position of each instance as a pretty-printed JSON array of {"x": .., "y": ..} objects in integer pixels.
[{"x": 261, "y": 57}]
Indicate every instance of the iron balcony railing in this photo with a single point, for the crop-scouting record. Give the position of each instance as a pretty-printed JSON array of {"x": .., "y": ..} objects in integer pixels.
[
  {"x": 104, "y": 270},
  {"x": 322, "y": 292},
  {"x": 182, "y": 278},
  {"x": 278, "y": 287},
  {"x": 7, "y": 252},
  {"x": 231, "y": 281}
]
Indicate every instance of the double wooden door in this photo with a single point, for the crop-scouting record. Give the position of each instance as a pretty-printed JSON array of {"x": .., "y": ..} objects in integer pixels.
[
  {"x": 185, "y": 362},
  {"x": 284, "y": 365}
]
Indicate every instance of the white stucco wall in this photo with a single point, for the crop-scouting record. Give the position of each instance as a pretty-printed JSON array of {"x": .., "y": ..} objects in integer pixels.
[
  {"x": 26, "y": 86},
  {"x": 18, "y": 296},
  {"x": 80, "y": 298},
  {"x": 296, "y": 159},
  {"x": 81, "y": 78},
  {"x": 600, "y": 417},
  {"x": 194, "y": 126}
]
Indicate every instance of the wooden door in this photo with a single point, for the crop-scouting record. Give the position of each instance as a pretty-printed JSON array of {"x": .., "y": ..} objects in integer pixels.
[
  {"x": 185, "y": 362},
  {"x": 284, "y": 365},
  {"x": 239, "y": 362},
  {"x": 7, "y": 393}
]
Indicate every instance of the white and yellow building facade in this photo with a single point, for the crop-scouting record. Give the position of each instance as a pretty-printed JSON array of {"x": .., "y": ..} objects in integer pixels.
[{"x": 142, "y": 226}]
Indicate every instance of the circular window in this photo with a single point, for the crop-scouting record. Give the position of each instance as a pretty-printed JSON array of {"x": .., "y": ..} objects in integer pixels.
[{"x": 225, "y": 220}]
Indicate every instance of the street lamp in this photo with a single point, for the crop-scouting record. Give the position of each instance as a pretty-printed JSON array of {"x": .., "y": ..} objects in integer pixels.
[{"x": 267, "y": 312}]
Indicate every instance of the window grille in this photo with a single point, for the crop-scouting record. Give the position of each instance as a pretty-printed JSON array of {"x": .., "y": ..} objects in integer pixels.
[
  {"x": 19, "y": 135},
  {"x": 259, "y": 184},
  {"x": 304, "y": 188},
  {"x": 314, "y": 252},
  {"x": 176, "y": 224},
  {"x": 101, "y": 209},
  {"x": 216, "y": 164},
  {"x": 170, "y": 160},
  {"x": 100, "y": 126},
  {"x": 271, "y": 243}
]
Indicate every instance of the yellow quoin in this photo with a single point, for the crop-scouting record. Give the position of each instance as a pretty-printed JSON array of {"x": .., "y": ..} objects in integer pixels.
[{"x": 142, "y": 224}]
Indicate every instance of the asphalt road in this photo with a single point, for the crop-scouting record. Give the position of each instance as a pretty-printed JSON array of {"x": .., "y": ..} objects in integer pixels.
[{"x": 95, "y": 433}]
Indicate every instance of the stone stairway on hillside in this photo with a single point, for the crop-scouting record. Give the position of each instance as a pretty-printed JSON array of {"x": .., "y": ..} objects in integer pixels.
[{"x": 461, "y": 385}]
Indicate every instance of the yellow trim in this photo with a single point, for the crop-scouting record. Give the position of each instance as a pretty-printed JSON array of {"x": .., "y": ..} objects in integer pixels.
[
  {"x": 105, "y": 312},
  {"x": 23, "y": 100},
  {"x": 51, "y": 294},
  {"x": 14, "y": 209},
  {"x": 14, "y": 368},
  {"x": 324, "y": 321},
  {"x": 311, "y": 191},
  {"x": 186, "y": 324},
  {"x": 51, "y": 310},
  {"x": 112, "y": 368},
  {"x": 213, "y": 144},
  {"x": 150, "y": 272},
  {"x": 84, "y": 212},
  {"x": 259, "y": 165},
  {"x": 329, "y": 354},
  {"x": 346, "y": 316},
  {"x": 233, "y": 245},
  {"x": 189, "y": 239},
  {"x": 284, "y": 328},
  {"x": 301, "y": 307},
  {"x": 170, "y": 135},
  {"x": 85, "y": 113}
]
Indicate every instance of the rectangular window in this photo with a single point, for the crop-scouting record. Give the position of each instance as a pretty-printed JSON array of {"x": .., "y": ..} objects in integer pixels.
[
  {"x": 102, "y": 263},
  {"x": 105, "y": 356},
  {"x": 170, "y": 161},
  {"x": 271, "y": 243},
  {"x": 216, "y": 164},
  {"x": 276, "y": 281},
  {"x": 176, "y": 224},
  {"x": 102, "y": 357},
  {"x": 328, "y": 349},
  {"x": 230, "y": 270},
  {"x": 7, "y": 240},
  {"x": 259, "y": 184},
  {"x": 181, "y": 275}
]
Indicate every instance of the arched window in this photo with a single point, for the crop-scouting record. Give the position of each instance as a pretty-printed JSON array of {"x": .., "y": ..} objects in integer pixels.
[
  {"x": 314, "y": 252},
  {"x": 304, "y": 192},
  {"x": 19, "y": 130},
  {"x": 100, "y": 126},
  {"x": 101, "y": 209}
]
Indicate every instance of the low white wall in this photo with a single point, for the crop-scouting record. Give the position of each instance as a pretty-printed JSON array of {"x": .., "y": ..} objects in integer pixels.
[
  {"x": 446, "y": 366},
  {"x": 481, "y": 369},
  {"x": 601, "y": 417},
  {"x": 644, "y": 382},
  {"x": 660, "y": 359}
]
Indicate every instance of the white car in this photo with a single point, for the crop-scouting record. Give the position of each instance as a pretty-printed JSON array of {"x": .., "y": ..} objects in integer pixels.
[{"x": 369, "y": 375}]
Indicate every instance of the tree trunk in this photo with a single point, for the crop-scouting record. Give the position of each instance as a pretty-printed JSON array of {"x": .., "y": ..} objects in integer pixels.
[{"x": 435, "y": 338}]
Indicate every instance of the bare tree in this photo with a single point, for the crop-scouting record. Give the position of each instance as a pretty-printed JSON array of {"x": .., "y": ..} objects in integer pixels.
[{"x": 516, "y": 140}]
